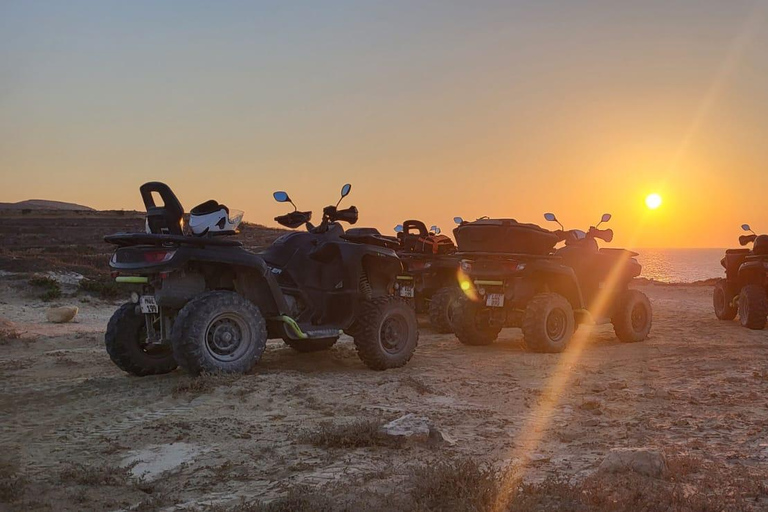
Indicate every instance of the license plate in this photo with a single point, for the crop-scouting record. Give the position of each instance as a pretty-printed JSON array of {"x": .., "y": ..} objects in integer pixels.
[
  {"x": 148, "y": 305},
  {"x": 406, "y": 291},
  {"x": 494, "y": 300}
]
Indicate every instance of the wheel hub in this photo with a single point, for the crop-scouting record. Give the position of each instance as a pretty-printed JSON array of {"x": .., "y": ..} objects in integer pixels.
[
  {"x": 225, "y": 337},
  {"x": 556, "y": 324},
  {"x": 393, "y": 333},
  {"x": 639, "y": 317}
]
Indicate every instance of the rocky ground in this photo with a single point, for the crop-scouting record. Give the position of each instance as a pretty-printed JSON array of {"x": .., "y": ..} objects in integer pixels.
[{"x": 510, "y": 429}]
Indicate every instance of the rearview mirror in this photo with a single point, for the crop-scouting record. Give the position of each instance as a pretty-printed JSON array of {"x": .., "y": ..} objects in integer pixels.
[
  {"x": 458, "y": 220},
  {"x": 345, "y": 190},
  {"x": 281, "y": 197},
  {"x": 550, "y": 217},
  {"x": 746, "y": 227},
  {"x": 606, "y": 217},
  {"x": 435, "y": 230},
  {"x": 399, "y": 228}
]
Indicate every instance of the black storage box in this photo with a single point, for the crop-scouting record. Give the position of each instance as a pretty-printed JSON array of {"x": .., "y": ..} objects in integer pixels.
[{"x": 504, "y": 236}]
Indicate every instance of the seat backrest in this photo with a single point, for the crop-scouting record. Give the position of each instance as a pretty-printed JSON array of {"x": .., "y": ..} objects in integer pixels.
[{"x": 165, "y": 218}]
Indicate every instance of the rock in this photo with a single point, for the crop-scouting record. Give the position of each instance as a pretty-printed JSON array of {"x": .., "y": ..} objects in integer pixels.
[
  {"x": 414, "y": 428},
  {"x": 61, "y": 315},
  {"x": 410, "y": 427},
  {"x": 644, "y": 461},
  {"x": 439, "y": 438}
]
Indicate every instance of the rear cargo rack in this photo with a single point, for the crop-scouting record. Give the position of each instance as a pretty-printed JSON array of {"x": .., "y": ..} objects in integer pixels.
[{"x": 129, "y": 239}]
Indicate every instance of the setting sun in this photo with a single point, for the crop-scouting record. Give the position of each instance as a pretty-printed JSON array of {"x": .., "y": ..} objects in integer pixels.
[{"x": 653, "y": 201}]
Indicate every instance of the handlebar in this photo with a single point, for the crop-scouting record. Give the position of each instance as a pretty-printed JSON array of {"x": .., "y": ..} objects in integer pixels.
[{"x": 572, "y": 236}]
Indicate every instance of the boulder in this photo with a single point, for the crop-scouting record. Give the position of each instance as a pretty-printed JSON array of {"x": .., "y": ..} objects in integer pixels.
[
  {"x": 61, "y": 315},
  {"x": 644, "y": 461}
]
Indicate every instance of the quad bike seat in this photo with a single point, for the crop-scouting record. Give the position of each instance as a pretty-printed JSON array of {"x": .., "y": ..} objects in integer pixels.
[
  {"x": 370, "y": 236},
  {"x": 164, "y": 219}
]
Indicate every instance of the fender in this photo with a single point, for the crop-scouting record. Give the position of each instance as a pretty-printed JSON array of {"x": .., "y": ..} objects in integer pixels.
[
  {"x": 558, "y": 278},
  {"x": 753, "y": 271}
]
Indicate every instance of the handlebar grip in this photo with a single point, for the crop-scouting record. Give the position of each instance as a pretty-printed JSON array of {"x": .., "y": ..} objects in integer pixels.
[
  {"x": 349, "y": 215},
  {"x": 606, "y": 235},
  {"x": 294, "y": 219},
  {"x": 745, "y": 239}
]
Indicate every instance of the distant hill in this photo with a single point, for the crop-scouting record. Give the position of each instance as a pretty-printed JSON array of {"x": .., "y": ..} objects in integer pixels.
[{"x": 42, "y": 204}]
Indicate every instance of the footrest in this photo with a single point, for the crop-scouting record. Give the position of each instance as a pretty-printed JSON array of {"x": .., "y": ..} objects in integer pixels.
[{"x": 323, "y": 333}]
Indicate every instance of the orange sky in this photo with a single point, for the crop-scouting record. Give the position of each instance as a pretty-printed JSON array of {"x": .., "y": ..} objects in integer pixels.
[{"x": 430, "y": 110}]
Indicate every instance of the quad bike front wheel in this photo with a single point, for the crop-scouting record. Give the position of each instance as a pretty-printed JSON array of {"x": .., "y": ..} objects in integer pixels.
[
  {"x": 471, "y": 323},
  {"x": 386, "y": 333},
  {"x": 548, "y": 323},
  {"x": 126, "y": 341},
  {"x": 441, "y": 308},
  {"x": 219, "y": 331},
  {"x": 753, "y": 307},
  {"x": 633, "y": 317},
  {"x": 722, "y": 300},
  {"x": 310, "y": 345}
]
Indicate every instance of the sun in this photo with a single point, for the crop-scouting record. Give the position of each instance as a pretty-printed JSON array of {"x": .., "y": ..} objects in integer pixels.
[{"x": 653, "y": 201}]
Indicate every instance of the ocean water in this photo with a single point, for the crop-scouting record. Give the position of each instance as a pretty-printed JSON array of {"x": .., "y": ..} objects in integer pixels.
[{"x": 681, "y": 265}]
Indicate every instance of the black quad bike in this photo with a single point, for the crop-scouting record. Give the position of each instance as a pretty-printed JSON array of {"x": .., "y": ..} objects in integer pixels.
[
  {"x": 743, "y": 291},
  {"x": 429, "y": 281},
  {"x": 513, "y": 277},
  {"x": 209, "y": 305}
]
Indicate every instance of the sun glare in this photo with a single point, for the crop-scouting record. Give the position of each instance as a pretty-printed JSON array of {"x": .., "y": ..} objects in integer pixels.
[{"x": 653, "y": 201}]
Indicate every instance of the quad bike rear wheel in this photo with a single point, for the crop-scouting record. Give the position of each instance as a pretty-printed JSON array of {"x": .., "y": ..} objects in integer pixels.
[
  {"x": 633, "y": 317},
  {"x": 548, "y": 323},
  {"x": 386, "y": 333},
  {"x": 722, "y": 300},
  {"x": 441, "y": 308},
  {"x": 126, "y": 341},
  {"x": 219, "y": 331},
  {"x": 471, "y": 324},
  {"x": 753, "y": 307},
  {"x": 310, "y": 345}
]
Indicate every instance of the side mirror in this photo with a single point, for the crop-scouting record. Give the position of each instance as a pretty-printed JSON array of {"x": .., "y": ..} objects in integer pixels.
[
  {"x": 435, "y": 230},
  {"x": 345, "y": 190},
  {"x": 281, "y": 197},
  {"x": 458, "y": 220},
  {"x": 606, "y": 217},
  {"x": 399, "y": 228},
  {"x": 551, "y": 218},
  {"x": 746, "y": 227}
]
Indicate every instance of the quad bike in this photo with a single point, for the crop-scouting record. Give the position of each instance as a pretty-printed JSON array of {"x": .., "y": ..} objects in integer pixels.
[
  {"x": 513, "y": 277},
  {"x": 743, "y": 291},
  {"x": 209, "y": 305},
  {"x": 430, "y": 281}
]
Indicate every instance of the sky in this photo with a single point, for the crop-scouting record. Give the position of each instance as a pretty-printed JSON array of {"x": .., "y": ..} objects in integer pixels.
[{"x": 430, "y": 109}]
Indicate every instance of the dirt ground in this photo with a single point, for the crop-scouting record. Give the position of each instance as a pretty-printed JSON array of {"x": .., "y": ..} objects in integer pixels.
[{"x": 76, "y": 433}]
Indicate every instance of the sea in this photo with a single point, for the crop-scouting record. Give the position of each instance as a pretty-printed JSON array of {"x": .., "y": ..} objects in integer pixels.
[{"x": 681, "y": 265}]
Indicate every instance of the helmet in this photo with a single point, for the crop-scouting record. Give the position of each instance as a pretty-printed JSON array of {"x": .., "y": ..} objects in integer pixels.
[
  {"x": 212, "y": 218},
  {"x": 761, "y": 245}
]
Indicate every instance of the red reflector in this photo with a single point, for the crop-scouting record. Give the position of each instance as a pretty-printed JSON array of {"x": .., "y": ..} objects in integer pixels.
[
  {"x": 157, "y": 256},
  {"x": 164, "y": 275},
  {"x": 114, "y": 274}
]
